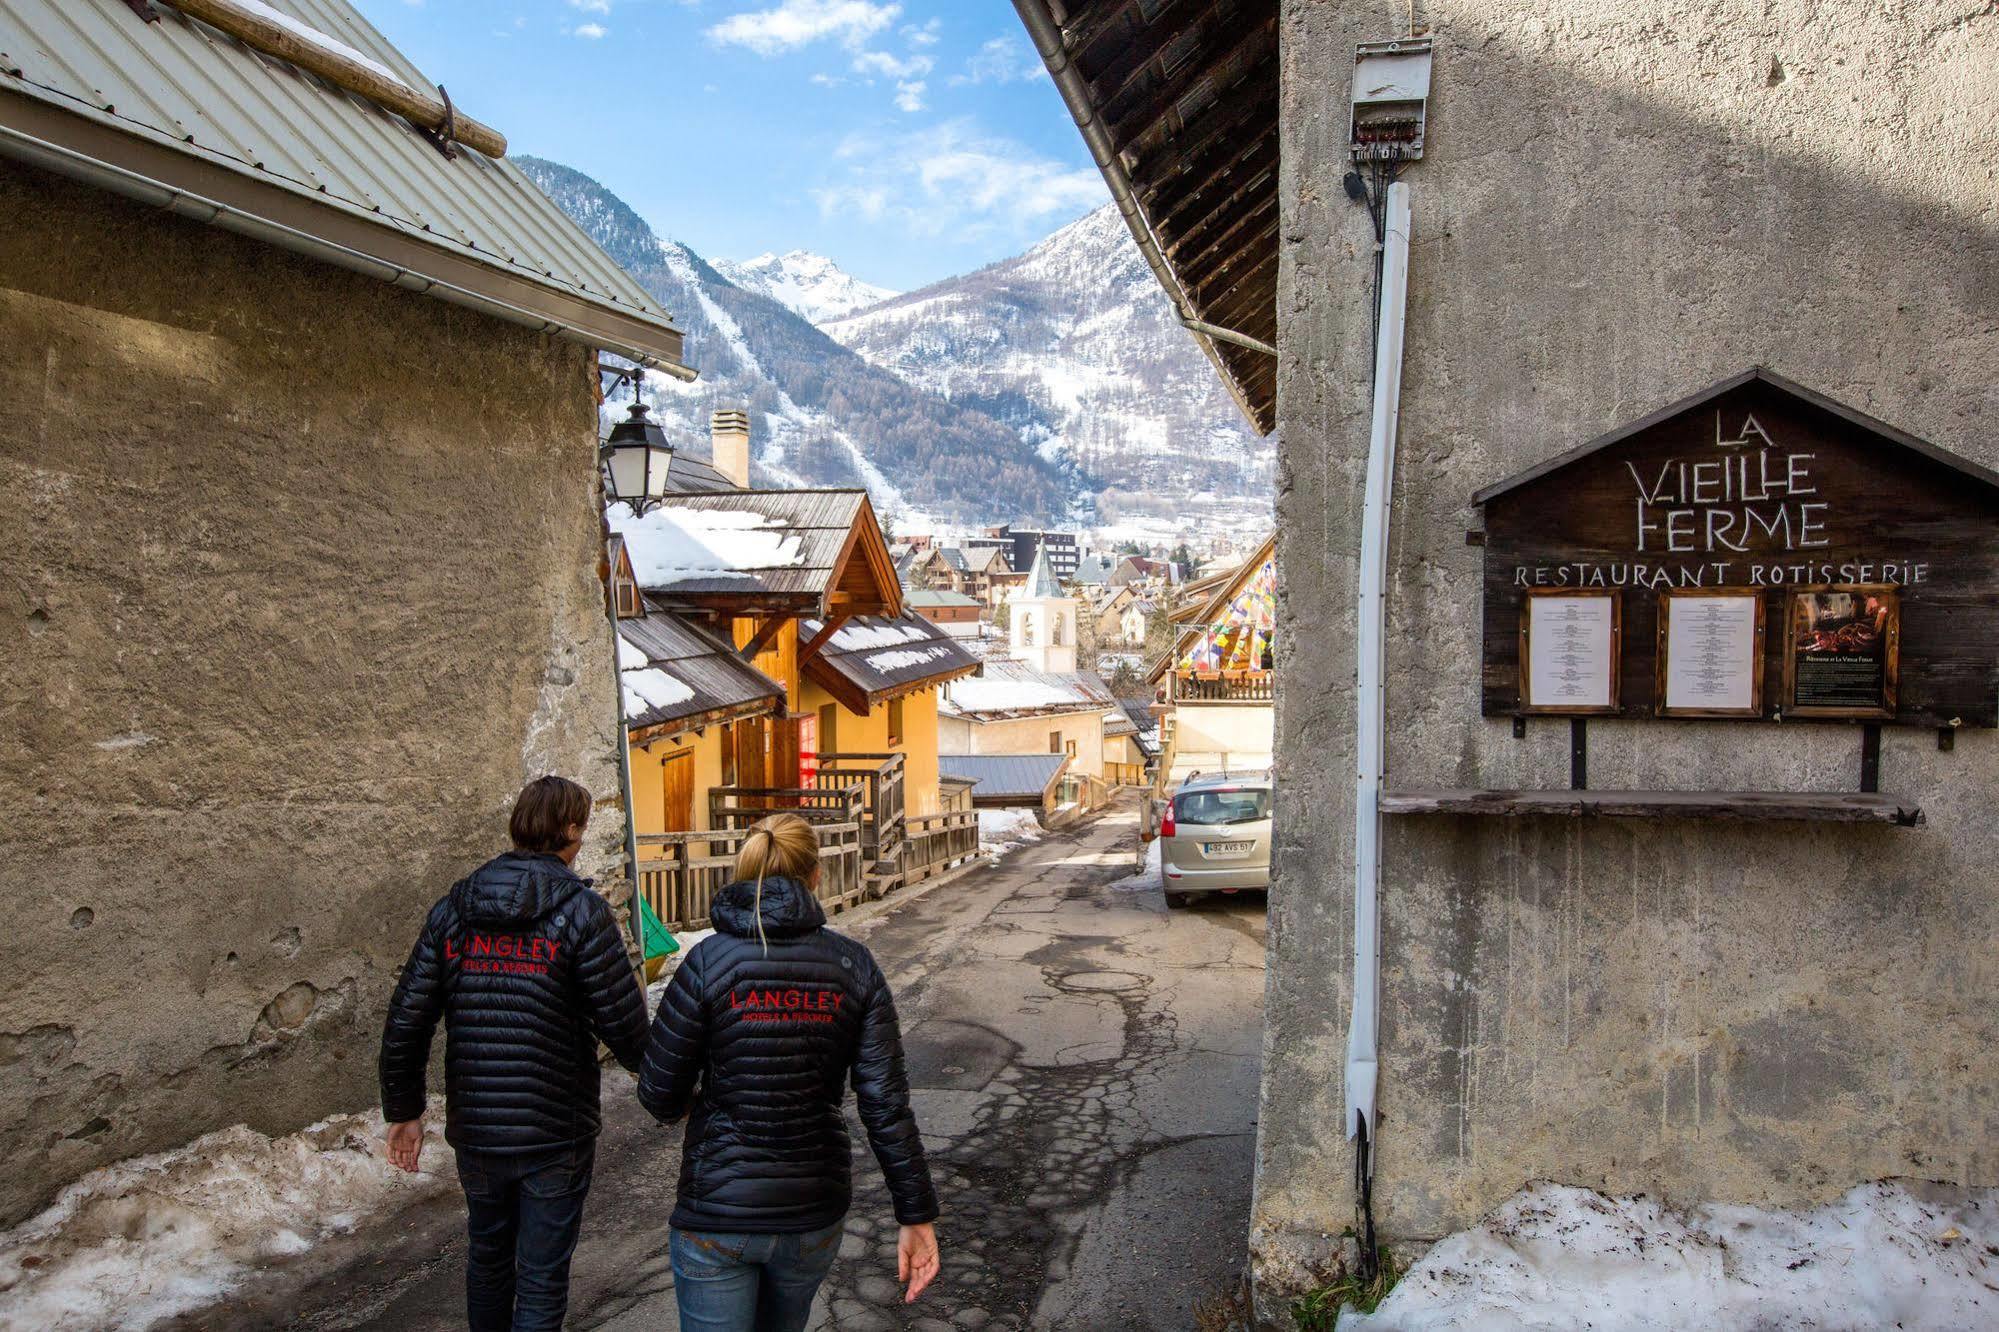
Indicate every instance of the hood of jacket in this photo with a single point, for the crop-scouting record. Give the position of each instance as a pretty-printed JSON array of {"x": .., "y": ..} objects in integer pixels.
[
  {"x": 788, "y": 908},
  {"x": 515, "y": 889}
]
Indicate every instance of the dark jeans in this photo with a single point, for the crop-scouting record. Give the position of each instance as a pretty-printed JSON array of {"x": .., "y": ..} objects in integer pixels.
[
  {"x": 749, "y": 1283},
  {"x": 522, "y": 1216}
]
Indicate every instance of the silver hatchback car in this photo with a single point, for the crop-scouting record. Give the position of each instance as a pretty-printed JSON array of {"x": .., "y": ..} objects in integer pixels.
[{"x": 1214, "y": 835}]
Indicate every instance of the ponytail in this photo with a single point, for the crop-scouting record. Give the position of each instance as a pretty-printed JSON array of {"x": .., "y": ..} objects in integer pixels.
[{"x": 782, "y": 844}]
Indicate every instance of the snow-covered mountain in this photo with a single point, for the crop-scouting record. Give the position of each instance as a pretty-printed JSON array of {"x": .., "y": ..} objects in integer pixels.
[
  {"x": 1074, "y": 345},
  {"x": 809, "y": 283},
  {"x": 819, "y": 414}
]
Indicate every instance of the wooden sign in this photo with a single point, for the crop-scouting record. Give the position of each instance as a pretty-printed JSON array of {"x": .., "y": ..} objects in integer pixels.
[{"x": 1759, "y": 491}]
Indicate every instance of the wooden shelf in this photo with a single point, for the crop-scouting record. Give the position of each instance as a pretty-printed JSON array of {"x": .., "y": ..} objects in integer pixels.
[{"x": 1738, "y": 806}]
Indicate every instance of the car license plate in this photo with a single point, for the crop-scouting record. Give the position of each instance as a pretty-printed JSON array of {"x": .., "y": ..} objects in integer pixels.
[{"x": 1230, "y": 848}]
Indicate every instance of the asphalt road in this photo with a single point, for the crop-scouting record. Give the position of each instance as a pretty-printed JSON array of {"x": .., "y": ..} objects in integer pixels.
[{"x": 1085, "y": 1071}]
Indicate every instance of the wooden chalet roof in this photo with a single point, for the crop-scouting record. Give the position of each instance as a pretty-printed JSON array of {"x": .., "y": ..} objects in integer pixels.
[
  {"x": 871, "y": 659},
  {"x": 799, "y": 552},
  {"x": 717, "y": 683},
  {"x": 1178, "y": 104}
]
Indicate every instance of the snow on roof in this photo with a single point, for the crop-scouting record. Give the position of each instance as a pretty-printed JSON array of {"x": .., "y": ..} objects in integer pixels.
[
  {"x": 652, "y": 688},
  {"x": 631, "y": 657},
  {"x": 679, "y": 543},
  {"x": 854, "y": 638},
  {"x": 1002, "y": 694},
  {"x": 312, "y": 36},
  {"x": 905, "y": 657}
]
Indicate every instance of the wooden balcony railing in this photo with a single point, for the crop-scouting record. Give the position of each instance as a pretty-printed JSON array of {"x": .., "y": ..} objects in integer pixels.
[
  {"x": 680, "y": 873},
  {"x": 1228, "y": 687},
  {"x": 938, "y": 842},
  {"x": 880, "y": 778}
]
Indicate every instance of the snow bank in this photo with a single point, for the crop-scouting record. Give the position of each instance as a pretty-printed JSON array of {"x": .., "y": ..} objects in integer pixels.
[
  {"x": 1560, "y": 1257},
  {"x": 1003, "y": 830},
  {"x": 677, "y": 544},
  {"x": 146, "y": 1239}
]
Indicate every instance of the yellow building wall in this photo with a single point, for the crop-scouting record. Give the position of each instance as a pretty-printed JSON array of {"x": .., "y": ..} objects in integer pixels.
[
  {"x": 1029, "y": 735},
  {"x": 648, "y": 785},
  {"x": 868, "y": 734}
]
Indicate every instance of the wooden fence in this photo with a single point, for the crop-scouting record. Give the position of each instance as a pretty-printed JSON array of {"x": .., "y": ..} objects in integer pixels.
[
  {"x": 686, "y": 869},
  {"x": 938, "y": 842}
]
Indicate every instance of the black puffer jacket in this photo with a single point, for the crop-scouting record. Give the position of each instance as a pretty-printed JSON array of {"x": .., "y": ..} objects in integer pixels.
[
  {"x": 763, "y": 1047},
  {"x": 527, "y": 968}
]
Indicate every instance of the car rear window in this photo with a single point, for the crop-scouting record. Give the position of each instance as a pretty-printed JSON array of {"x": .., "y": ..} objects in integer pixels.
[{"x": 1221, "y": 807}]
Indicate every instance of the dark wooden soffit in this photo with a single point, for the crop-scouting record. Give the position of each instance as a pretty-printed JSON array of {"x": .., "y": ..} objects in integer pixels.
[{"x": 1189, "y": 101}]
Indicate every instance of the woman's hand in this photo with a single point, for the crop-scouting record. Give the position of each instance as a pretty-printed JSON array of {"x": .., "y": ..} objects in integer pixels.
[
  {"x": 405, "y": 1145},
  {"x": 916, "y": 1259}
]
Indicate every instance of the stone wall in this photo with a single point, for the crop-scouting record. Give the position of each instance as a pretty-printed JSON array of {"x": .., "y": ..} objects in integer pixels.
[
  {"x": 1621, "y": 205},
  {"x": 300, "y": 584}
]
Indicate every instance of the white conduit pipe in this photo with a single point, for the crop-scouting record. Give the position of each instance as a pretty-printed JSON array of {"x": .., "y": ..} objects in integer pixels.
[{"x": 1363, "y": 1055}]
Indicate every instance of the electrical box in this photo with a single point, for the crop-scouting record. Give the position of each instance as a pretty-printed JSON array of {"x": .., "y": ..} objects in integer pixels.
[{"x": 1391, "y": 88}]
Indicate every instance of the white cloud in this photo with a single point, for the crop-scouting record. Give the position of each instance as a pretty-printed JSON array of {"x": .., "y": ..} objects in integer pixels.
[
  {"x": 796, "y": 23},
  {"x": 1001, "y": 60},
  {"x": 926, "y": 35},
  {"x": 591, "y": 6},
  {"x": 882, "y": 64},
  {"x": 954, "y": 179},
  {"x": 590, "y": 31},
  {"x": 909, "y": 96}
]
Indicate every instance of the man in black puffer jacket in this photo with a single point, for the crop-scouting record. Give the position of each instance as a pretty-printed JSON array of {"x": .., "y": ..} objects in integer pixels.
[
  {"x": 757, "y": 1038},
  {"x": 527, "y": 968}
]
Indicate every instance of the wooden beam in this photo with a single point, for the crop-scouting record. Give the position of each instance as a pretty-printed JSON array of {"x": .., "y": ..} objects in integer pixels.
[
  {"x": 417, "y": 106},
  {"x": 762, "y": 637},
  {"x": 1151, "y": 106},
  {"x": 1729, "y": 806},
  {"x": 825, "y": 634}
]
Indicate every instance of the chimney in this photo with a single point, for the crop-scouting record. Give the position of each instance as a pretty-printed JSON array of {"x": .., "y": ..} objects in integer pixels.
[{"x": 729, "y": 438}]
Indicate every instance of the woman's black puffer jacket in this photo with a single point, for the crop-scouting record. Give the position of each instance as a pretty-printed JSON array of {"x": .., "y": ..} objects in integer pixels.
[
  {"x": 760, "y": 1037},
  {"x": 527, "y": 968}
]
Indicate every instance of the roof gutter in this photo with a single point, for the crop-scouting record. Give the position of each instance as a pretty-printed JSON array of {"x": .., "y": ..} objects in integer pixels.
[
  {"x": 1047, "y": 40},
  {"x": 134, "y": 185}
]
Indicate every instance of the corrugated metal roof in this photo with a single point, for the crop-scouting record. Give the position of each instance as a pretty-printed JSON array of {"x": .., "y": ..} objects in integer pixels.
[
  {"x": 1004, "y": 776},
  {"x": 181, "y": 85},
  {"x": 861, "y": 653},
  {"x": 720, "y": 679}
]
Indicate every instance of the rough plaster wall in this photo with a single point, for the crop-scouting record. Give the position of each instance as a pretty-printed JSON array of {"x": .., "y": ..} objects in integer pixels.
[
  {"x": 298, "y": 587},
  {"x": 1622, "y": 204}
]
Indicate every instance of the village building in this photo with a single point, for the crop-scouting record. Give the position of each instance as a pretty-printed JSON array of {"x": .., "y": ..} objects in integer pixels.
[
  {"x": 298, "y": 400},
  {"x": 955, "y": 613},
  {"x": 1011, "y": 781},
  {"x": 1588, "y": 912},
  {"x": 795, "y": 589},
  {"x": 1217, "y": 684}
]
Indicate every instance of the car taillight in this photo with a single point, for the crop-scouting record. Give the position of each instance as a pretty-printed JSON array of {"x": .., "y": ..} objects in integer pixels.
[{"x": 1166, "y": 825}]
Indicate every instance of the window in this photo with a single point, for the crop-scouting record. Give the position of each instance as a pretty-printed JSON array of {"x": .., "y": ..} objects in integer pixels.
[
  {"x": 829, "y": 729},
  {"x": 1222, "y": 807},
  {"x": 1055, "y": 631},
  {"x": 628, "y": 600},
  {"x": 1026, "y": 628},
  {"x": 895, "y": 721},
  {"x": 1070, "y": 748},
  {"x": 1055, "y": 742}
]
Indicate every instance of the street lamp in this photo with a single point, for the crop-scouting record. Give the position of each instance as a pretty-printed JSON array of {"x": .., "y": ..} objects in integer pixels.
[{"x": 636, "y": 456}]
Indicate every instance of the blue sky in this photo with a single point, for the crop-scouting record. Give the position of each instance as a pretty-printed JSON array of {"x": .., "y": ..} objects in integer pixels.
[{"x": 906, "y": 140}]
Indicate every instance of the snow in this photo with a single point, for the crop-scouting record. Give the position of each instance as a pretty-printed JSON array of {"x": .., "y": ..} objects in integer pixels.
[
  {"x": 810, "y": 284},
  {"x": 145, "y": 1239},
  {"x": 652, "y": 688},
  {"x": 1553, "y": 1256},
  {"x": 1004, "y": 830},
  {"x": 631, "y": 657},
  {"x": 895, "y": 661},
  {"x": 314, "y": 37},
  {"x": 856, "y": 637},
  {"x": 990, "y": 695},
  {"x": 679, "y": 544}
]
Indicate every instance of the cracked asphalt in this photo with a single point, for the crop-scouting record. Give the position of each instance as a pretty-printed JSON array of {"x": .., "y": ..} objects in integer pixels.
[{"x": 1084, "y": 1065}]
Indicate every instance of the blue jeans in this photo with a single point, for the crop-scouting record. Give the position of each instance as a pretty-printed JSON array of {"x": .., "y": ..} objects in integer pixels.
[
  {"x": 750, "y": 1283},
  {"x": 522, "y": 1215}
]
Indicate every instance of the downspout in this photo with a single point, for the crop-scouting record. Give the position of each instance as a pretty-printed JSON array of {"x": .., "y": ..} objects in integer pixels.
[
  {"x": 1047, "y": 40},
  {"x": 1363, "y": 1056},
  {"x": 611, "y": 548}
]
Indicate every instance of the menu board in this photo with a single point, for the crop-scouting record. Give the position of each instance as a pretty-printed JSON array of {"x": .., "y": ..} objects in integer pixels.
[
  {"x": 1711, "y": 653},
  {"x": 1569, "y": 651},
  {"x": 1840, "y": 651}
]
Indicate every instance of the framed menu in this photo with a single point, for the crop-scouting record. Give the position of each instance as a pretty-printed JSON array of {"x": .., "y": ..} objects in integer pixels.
[
  {"x": 1842, "y": 649},
  {"x": 1711, "y": 652},
  {"x": 1570, "y": 642}
]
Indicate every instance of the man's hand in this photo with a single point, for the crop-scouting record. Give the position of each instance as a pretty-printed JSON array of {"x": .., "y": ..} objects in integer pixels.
[
  {"x": 405, "y": 1145},
  {"x": 916, "y": 1259}
]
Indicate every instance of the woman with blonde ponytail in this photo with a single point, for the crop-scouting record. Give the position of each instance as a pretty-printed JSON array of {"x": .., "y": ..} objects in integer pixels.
[{"x": 760, "y": 1032}]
